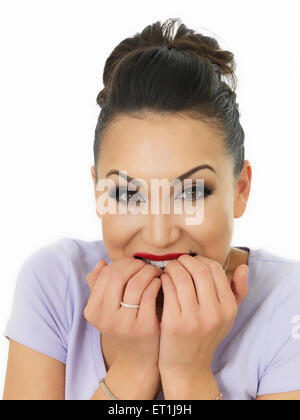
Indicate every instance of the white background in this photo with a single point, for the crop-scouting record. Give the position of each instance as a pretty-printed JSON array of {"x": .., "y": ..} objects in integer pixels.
[{"x": 52, "y": 55}]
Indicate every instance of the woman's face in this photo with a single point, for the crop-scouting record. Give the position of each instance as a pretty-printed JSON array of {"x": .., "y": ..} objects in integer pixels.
[{"x": 156, "y": 147}]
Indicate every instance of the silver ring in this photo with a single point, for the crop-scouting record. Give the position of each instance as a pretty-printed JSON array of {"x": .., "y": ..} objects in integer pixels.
[{"x": 126, "y": 305}]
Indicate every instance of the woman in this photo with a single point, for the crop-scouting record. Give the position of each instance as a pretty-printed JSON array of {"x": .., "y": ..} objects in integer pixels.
[{"x": 105, "y": 319}]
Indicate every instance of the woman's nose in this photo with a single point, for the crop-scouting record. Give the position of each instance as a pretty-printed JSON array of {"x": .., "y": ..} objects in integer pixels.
[{"x": 160, "y": 230}]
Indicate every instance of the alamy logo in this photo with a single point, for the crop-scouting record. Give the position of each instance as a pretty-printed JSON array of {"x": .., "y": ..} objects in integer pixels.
[
  {"x": 296, "y": 329},
  {"x": 107, "y": 203}
]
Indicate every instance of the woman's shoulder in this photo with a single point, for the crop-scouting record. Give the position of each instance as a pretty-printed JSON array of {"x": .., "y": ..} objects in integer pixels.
[
  {"x": 51, "y": 287},
  {"x": 273, "y": 268},
  {"x": 270, "y": 278},
  {"x": 59, "y": 265},
  {"x": 50, "y": 293},
  {"x": 85, "y": 250},
  {"x": 275, "y": 295},
  {"x": 263, "y": 254},
  {"x": 68, "y": 250}
]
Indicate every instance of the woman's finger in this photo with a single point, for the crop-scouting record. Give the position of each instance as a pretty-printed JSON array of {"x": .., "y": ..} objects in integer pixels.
[
  {"x": 135, "y": 288},
  {"x": 115, "y": 287},
  {"x": 203, "y": 280},
  {"x": 91, "y": 278},
  {"x": 184, "y": 284},
  {"x": 221, "y": 282},
  {"x": 104, "y": 278},
  {"x": 147, "y": 310},
  {"x": 239, "y": 285},
  {"x": 171, "y": 303}
]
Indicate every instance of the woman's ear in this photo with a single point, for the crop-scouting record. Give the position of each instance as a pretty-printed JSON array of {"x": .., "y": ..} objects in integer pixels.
[
  {"x": 242, "y": 190},
  {"x": 92, "y": 169}
]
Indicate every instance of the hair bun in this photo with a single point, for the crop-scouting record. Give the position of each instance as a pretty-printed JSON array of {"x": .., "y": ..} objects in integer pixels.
[
  {"x": 188, "y": 40},
  {"x": 101, "y": 97},
  {"x": 163, "y": 35}
]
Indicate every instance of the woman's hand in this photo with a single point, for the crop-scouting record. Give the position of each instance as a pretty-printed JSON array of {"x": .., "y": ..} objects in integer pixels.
[
  {"x": 135, "y": 333},
  {"x": 200, "y": 307}
]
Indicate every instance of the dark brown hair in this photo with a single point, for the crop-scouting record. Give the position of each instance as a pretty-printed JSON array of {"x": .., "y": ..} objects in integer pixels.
[{"x": 155, "y": 71}]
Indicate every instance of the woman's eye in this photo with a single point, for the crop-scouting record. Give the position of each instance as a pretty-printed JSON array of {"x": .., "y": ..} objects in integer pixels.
[
  {"x": 117, "y": 193},
  {"x": 192, "y": 193},
  {"x": 195, "y": 193}
]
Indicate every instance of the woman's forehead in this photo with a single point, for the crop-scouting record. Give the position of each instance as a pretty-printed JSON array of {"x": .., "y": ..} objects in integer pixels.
[
  {"x": 163, "y": 127},
  {"x": 162, "y": 140}
]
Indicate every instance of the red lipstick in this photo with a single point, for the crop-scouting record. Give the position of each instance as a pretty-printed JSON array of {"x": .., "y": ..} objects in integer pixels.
[{"x": 164, "y": 257}]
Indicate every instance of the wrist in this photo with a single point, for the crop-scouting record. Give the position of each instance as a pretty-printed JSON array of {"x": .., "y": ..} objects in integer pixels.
[
  {"x": 136, "y": 363},
  {"x": 129, "y": 382},
  {"x": 190, "y": 385}
]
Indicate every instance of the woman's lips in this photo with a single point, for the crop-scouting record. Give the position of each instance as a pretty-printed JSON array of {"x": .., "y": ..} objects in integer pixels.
[{"x": 164, "y": 257}]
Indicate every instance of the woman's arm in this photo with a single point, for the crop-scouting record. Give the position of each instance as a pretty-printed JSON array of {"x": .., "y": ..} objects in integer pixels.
[
  {"x": 292, "y": 395},
  {"x": 31, "y": 375},
  {"x": 128, "y": 381}
]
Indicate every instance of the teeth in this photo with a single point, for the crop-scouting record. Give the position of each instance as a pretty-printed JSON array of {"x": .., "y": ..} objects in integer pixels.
[{"x": 159, "y": 264}]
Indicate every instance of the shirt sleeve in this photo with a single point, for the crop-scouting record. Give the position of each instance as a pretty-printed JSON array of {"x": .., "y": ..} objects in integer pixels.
[
  {"x": 37, "y": 319},
  {"x": 282, "y": 372}
]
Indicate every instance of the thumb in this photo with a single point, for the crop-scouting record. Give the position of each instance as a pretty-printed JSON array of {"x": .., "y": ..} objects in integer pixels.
[
  {"x": 239, "y": 284},
  {"x": 91, "y": 278}
]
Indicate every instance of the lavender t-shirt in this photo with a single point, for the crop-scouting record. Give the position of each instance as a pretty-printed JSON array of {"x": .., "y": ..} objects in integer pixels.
[{"x": 260, "y": 355}]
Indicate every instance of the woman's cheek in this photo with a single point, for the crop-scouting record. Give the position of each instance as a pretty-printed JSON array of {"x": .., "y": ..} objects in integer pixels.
[{"x": 117, "y": 230}]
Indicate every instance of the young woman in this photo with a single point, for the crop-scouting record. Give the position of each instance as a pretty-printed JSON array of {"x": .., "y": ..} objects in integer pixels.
[{"x": 161, "y": 307}]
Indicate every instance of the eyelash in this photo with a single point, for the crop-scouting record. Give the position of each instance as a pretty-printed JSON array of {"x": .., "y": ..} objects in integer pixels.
[{"x": 115, "y": 193}]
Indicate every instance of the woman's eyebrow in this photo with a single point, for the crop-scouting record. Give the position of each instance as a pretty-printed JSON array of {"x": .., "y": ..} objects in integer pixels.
[
  {"x": 187, "y": 174},
  {"x": 181, "y": 177}
]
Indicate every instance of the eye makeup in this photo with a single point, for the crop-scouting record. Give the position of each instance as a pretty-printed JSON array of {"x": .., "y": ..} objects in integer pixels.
[
  {"x": 193, "y": 189},
  {"x": 117, "y": 192}
]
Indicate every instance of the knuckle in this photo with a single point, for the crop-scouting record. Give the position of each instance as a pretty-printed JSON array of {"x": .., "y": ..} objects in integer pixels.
[
  {"x": 212, "y": 324},
  {"x": 106, "y": 268},
  {"x": 192, "y": 327},
  {"x": 146, "y": 273},
  {"x": 115, "y": 274},
  {"x": 183, "y": 258},
  {"x": 232, "y": 312},
  {"x": 153, "y": 270},
  {"x": 171, "y": 265},
  {"x": 138, "y": 261},
  {"x": 216, "y": 265},
  {"x": 94, "y": 317},
  {"x": 87, "y": 313},
  {"x": 203, "y": 268},
  {"x": 127, "y": 259},
  {"x": 148, "y": 267},
  {"x": 142, "y": 263},
  {"x": 214, "y": 321},
  {"x": 88, "y": 276}
]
